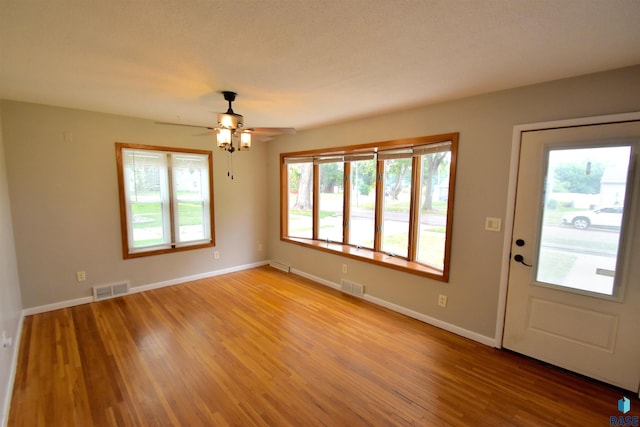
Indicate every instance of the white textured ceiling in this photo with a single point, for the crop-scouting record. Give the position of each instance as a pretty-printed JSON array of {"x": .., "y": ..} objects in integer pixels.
[{"x": 300, "y": 63}]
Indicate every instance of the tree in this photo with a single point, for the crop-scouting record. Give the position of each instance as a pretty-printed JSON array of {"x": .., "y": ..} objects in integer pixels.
[
  {"x": 430, "y": 167},
  {"x": 581, "y": 178},
  {"x": 364, "y": 176},
  {"x": 331, "y": 174},
  {"x": 294, "y": 179},
  {"x": 397, "y": 169},
  {"x": 303, "y": 200}
]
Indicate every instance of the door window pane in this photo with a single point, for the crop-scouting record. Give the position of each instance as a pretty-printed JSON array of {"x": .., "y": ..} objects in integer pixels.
[
  {"x": 396, "y": 207},
  {"x": 362, "y": 203},
  {"x": 300, "y": 217},
  {"x": 582, "y": 217},
  {"x": 331, "y": 201}
]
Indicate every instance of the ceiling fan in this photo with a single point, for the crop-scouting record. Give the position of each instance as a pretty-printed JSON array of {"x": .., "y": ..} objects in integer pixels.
[{"x": 231, "y": 130}]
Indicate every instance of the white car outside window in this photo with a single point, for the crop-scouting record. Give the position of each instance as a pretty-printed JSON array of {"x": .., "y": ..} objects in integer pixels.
[{"x": 610, "y": 217}]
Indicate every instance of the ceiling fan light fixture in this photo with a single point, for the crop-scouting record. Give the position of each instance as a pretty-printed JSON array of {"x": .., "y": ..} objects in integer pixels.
[
  {"x": 245, "y": 140},
  {"x": 230, "y": 133},
  {"x": 223, "y": 137}
]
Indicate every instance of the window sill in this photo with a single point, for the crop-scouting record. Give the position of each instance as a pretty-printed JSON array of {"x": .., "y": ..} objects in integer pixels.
[
  {"x": 367, "y": 255},
  {"x": 166, "y": 250}
]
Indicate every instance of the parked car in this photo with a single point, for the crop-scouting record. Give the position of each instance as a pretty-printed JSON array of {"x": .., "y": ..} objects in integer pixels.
[{"x": 610, "y": 217}]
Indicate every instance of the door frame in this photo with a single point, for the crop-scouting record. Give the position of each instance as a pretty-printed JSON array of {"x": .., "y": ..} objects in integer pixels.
[{"x": 511, "y": 196}]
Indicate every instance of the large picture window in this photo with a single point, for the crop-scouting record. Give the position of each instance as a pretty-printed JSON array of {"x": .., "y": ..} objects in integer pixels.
[
  {"x": 389, "y": 203},
  {"x": 166, "y": 199}
]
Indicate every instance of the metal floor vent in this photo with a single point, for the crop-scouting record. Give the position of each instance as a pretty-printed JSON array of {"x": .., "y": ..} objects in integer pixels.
[
  {"x": 352, "y": 288},
  {"x": 280, "y": 266},
  {"x": 110, "y": 291}
]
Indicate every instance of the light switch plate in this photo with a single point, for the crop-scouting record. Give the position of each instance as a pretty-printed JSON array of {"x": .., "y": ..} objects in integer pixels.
[{"x": 493, "y": 224}]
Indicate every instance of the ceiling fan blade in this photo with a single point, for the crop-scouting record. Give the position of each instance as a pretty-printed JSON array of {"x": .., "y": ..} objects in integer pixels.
[
  {"x": 261, "y": 137},
  {"x": 183, "y": 124},
  {"x": 273, "y": 131}
]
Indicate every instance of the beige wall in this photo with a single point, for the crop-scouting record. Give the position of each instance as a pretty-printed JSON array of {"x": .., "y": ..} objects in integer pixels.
[
  {"x": 10, "y": 306},
  {"x": 64, "y": 199},
  {"x": 485, "y": 124},
  {"x": 65, "y": 207}
]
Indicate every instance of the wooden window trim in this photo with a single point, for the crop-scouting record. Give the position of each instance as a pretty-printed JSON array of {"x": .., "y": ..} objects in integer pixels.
[
  {"x": 126, "y": 254},
  {"x": 346, "y": 207},
  {"x": 365, "y": 254}
]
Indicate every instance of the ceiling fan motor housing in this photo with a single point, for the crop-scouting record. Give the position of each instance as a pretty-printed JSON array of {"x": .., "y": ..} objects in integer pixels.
[{"x": 230, "y": 120}]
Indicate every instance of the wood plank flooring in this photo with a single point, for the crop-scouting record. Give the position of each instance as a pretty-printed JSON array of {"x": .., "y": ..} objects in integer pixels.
[{"x": 265, "y": 348}]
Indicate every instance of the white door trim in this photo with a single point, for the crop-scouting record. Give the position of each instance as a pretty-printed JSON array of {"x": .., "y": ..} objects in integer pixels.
[{"x": 511, "y": 197}]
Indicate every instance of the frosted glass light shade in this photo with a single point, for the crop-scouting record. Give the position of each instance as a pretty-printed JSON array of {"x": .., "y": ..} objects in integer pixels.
[
  {"x": 224, "y": 137},
  {"x": 245, "y": 140}
]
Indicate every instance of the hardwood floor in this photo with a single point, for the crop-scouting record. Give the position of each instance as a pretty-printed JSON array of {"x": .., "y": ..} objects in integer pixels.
[{"x": 265, "y": 348}]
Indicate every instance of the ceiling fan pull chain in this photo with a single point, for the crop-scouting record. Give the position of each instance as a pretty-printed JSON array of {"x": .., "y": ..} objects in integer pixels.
[{"x": 229, "y": 165}]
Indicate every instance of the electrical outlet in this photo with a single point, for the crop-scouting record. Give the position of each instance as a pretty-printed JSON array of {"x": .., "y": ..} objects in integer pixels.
[
  {"x": 344, "y": 268},
  {"x": 442, "y": 300},
  {"x": 216, "y": 255},
  {"x": 81, "y": 276}
]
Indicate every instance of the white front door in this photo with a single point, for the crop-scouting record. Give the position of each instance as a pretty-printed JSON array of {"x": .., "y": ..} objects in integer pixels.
[{"x": 573, "y": 297}]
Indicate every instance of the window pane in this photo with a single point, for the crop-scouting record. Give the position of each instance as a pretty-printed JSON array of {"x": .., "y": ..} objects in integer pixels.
[
  {"x": 395, "y": 209},
  {"x": 362, "y": 203},
  {"x": 330, "y": 201},
  {"x": 191, "y": 188},
  {"x": 432, "y": 208},
  {"x": 300, "y": 219},
  {"x": 146, "y": 191},
  {"x": 582, "y": 218}
]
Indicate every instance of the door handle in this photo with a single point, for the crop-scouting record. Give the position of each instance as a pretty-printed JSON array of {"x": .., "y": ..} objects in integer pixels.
[{"x": 519, "y": 258}]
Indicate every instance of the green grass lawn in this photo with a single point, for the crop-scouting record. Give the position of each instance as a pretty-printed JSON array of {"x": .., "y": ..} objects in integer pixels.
[
  {"x": 430, "y": 250},
  {"x": 149, "y": 216}
]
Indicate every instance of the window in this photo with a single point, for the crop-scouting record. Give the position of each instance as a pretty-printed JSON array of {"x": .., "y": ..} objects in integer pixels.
[
  {"x": 396, "y": 205},
  {"x": 301, "y": 198},
  {"x": 585, "y": 254},
  {"x": 362, "y": 200},
  {"x": 388, "y": 203},
  {"x": 166, "y": 199},
  {"x": 331, "y": 199}
]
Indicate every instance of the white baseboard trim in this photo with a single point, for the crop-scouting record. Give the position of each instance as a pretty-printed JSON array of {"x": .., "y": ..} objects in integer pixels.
[
  {"x": 6, "y": 405},
  {"x": 491, "y": 342},
  {"x": 180, "y": 280},
  {"x": 56, "y": 306},
  {"x": 482, "y": 339},
  {"x": 142, "y": 288},
  {"x": 315, "y": 279}
]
